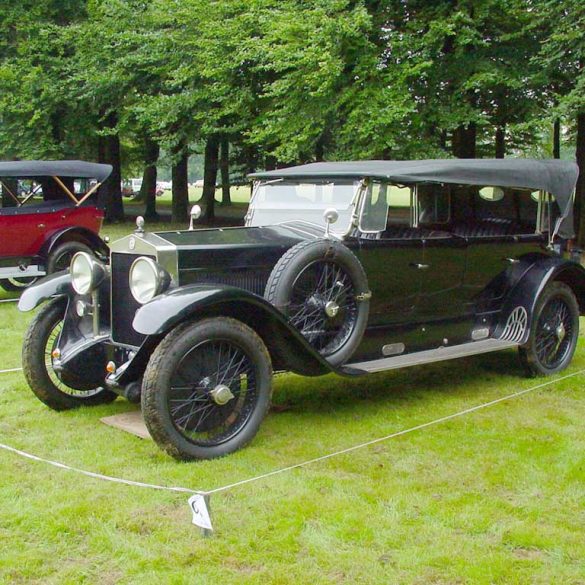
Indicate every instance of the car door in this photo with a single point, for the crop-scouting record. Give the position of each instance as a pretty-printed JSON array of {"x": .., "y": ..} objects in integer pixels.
[
  {"x": 392, "y": 264},
  {"x": 444, "y": 257},
  {"x": 444, "y": 261},
  {"x": 391, "y": 252}
]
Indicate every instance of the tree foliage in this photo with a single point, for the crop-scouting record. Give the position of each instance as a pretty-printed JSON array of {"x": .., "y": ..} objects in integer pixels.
[{"x": 285, "y": 81}]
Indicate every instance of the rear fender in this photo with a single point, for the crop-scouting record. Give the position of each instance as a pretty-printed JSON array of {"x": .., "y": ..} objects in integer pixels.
[
  {"x": 527, "y": 290},
  {"x": 166, "y": 311},
  {"x": 76, "y": 234},
  {"x": 58, "y": 284}
]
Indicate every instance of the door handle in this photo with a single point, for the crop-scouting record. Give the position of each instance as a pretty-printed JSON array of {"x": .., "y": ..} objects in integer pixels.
[
  {"x": 511, "y": 260},
  {"x": 419, "y": 266}
]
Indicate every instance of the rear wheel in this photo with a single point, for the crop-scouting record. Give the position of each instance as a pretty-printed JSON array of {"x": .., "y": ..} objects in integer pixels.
[
  {"x": 554, "y": 333},
  {"x": 207, "y": 388},
  {"x": 49, "y": 385},
  {"x": 17, "y": 284}
]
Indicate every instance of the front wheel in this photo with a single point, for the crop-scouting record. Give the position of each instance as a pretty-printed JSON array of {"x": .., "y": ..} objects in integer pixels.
[
  {"x": 49, "y": 385},
  {"x": 207, "y": 388},
  {"x": 554, "y": 333}
]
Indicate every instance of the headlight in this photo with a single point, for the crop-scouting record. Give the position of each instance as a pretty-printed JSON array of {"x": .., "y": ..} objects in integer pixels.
[
  {"x": 147, "y": 279},
  {"x": 86, "y": 273}
]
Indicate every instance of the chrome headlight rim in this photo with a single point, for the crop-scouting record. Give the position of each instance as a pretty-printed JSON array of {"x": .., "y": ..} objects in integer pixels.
[
  {"x": 152, "y": 281},
  {"x": 87, "y": 273}
]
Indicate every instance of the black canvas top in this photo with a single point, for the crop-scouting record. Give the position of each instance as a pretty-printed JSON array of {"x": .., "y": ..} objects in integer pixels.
[
  {"x": 75, "y": 169},
  {"x": 554, "y": 176}
]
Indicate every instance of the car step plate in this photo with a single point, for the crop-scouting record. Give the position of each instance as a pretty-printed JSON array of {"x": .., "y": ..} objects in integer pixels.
[{"x": 432, "y": 355}]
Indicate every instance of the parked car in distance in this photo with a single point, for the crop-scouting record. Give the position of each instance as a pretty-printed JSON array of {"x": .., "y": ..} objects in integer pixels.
[
  {"x": 131, "y": 188},
  {"x": 348, "y": 267},
  {"x": 47, "y": 216}
]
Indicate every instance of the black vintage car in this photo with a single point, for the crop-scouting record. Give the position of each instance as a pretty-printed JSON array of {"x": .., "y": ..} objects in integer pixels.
[{"x": 349, "y": 267}]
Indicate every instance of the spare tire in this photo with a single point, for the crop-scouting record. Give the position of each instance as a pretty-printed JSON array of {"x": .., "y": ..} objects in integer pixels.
[{"x": 323, "y": 290}]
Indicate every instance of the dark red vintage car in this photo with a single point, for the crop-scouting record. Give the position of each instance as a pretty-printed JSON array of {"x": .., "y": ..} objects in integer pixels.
[{"x": 48, "y": 214}]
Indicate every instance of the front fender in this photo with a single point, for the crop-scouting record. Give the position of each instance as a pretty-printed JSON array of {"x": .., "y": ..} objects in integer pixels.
[
  {"x": 166, "y": 311},
  {"x": 58, "y": 284},
  {"x": 527, "y": 290}
]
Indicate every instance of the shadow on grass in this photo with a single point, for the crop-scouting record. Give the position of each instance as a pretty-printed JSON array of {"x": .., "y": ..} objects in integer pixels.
[{"x": 387, "y": 389}]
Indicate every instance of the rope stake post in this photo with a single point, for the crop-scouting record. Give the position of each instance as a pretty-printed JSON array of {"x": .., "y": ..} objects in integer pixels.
[{"x": 199, "y": 504}]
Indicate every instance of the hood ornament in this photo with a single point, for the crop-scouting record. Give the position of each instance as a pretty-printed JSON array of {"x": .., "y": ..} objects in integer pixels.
[
  {"x": 195, "y": 215},
  {"x": 139, "y": 225}
]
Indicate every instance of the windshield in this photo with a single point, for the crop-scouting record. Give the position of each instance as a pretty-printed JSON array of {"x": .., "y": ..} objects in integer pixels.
[{"x": 281, "y": 201}]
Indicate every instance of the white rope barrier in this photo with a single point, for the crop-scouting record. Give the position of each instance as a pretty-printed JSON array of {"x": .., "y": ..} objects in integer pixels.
[
  {"x": 10, "y": 370},
  {"x": 200, "y": 498}
]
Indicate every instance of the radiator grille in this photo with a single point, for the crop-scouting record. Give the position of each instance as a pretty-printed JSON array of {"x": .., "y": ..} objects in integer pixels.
[
  {"x": 252, "y": 280},
  {"x": 124, "y": 306}
]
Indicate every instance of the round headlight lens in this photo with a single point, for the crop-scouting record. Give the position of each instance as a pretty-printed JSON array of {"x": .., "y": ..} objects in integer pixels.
[
  {"x": 82, "y": 272},
  {"x": 146, "y": 279}
]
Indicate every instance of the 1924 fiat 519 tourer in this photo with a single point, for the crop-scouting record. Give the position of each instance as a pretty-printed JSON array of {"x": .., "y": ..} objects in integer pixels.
[
  {"x": 46, "y": 217},
  {"x": 350, "y": 267}
]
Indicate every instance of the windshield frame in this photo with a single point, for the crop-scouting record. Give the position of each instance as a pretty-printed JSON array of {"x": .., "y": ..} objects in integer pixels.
[{"x": 359, "y": 186}]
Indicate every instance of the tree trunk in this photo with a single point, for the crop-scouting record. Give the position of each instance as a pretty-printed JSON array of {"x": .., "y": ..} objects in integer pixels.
[
  {"x": 463, "y": 141},
  {"x": 210, "y": 177},
  {"x": 224, "y": 165},
  {"x": 557, "y": 139},
  {"x": 110, "y": 195},
  {"x": 181, "y": 184},
  {"x": 148, "y": 189},
  {"x": 500, "y": 150},
  {"x": 580, "y": 190}
]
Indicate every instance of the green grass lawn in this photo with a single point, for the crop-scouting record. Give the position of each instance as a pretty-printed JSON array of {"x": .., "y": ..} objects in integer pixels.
[{"x": 494, "y": 497}]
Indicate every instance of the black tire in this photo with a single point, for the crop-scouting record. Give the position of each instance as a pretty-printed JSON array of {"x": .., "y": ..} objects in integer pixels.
[
  {"x": 554, "y": 332},
  {"x": 60, "y": 257},
  {"x": 206, "y": 355},
  {"x": 318, "y": 262},
  {"x": 39, "y": 341},
  {"x": 17, "y": 284}
]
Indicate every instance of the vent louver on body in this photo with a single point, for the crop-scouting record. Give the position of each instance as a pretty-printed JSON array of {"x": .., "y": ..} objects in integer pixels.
[{"x": 515, "y": 325}]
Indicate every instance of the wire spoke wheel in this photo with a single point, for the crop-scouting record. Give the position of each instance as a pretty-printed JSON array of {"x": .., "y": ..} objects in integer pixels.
[
  {"x": 212, "y": 392},
  {"x": 554, "y": 332},
  {"x": 52, "y": 342},
  {"x": 323, "y": 306},
  {"x": 207, "y": 388},
  {"x": 58, "y": 390},
  {"x": 322, "y": 288}
]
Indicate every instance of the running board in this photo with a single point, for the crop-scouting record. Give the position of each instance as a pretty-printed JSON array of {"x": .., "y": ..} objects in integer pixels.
[{"x": 429, "y": 356}]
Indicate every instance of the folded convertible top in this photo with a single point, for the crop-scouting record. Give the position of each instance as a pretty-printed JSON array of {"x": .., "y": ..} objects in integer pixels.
[{"x": 554, "y": 176}]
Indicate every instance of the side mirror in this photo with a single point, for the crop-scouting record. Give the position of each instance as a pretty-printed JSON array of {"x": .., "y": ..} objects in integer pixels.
[
  {"x": 195, "y": 214},
  {"x": 330, "y": 215}
]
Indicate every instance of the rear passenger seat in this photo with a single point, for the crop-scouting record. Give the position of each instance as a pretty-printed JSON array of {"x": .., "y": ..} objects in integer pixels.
[{"x": 490, "y": 227}]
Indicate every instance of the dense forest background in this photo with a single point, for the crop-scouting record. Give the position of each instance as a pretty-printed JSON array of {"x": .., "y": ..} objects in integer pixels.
[{"x": 242, "y": 85}]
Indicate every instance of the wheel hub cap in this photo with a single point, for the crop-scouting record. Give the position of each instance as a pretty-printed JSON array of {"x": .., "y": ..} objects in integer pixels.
[
  {"x": 331, "y": 309},
  {"x": 221, "y": 394},
  {"x": 561, "y": 332}
]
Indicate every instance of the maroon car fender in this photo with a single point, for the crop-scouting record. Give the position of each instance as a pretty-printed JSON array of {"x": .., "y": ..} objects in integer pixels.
[{"x": 76, "y": 234}]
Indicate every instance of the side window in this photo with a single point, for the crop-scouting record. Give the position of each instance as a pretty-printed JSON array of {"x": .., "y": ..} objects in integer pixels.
[
  {"x": 433, "y": 204},
  {"x": 374, "y": 208},
  {"x": 399, "y": 205}
]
